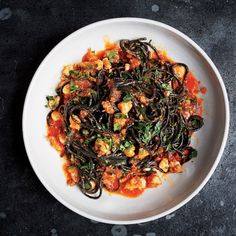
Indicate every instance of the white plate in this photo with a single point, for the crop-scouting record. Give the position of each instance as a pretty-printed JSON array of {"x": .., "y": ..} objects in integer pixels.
[{"x": 154, "y": 203}]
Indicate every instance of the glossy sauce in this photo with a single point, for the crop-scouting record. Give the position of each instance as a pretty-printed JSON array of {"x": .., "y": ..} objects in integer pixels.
[
  {"x": 203, "y": 90},
  {"x": 54, "y": 132},
  {"x": 129, "y": 193},
  {"x": 123, "y": 190},
  {"x": 191, "y": 83}
]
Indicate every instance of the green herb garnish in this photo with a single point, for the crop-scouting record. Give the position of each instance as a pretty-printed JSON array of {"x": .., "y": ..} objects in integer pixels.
[
  {"x": 111, "y": 55},
  {"x": 85, "y": 75},
  {"x": 51, "y": 102},
  {"x": 109, "y": 141},
  {"x": 50, "y": 98},
  {"x": 74, "y": 73},
  {"x": 73, "y": 87},
  {"x": 187, "y": 101},
  {"x": 128, "y": 144},
  {"x": 158, "y": 73},
  {"x": 193, "y": 154},
  {"x": 157, "y": 128},
  {"x": 147, "y": 131},
  {"x": 168, "y": 147},
  {"x": 120, "y": 116},
  {"x": 117, "y": 127},
  {"x": 87, "y": 166},
  {"x": 167, "y": 87},
  {"x": 128, "y": 97},
  {"x": 125, "y": 144}
]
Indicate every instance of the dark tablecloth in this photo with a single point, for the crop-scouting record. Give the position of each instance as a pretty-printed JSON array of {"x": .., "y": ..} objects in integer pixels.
[{"x": 28, "y": 31}]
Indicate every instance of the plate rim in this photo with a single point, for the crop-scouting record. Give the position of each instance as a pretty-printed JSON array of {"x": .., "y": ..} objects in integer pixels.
[{"x": 213, "y": 167}]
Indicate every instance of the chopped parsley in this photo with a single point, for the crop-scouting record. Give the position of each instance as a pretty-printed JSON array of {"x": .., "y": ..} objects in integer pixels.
[
  {"x": 128, "y": 144},
  {"x": 85, "y": 75},
  {"x": 128, "y": 97},
  {"x": 51, "y": 102},
  {"x": 74, "y": 73},
  {"x": 86, "y": 142},
  {"x": 187, "y": 101},
  {"x": 109, "y": 141},
  {"x": 49, "y": 98},
  {"x": 169, "y": 147},
  {"x": 117, "y": 127},
  {"x": 73, "y": 87},
  {"x": 158, "y": 73},
  {"x": 157, "y": 128},
  {"x": 87, "y": 166},
  {"x": 125, "y": 145},
  {"x": 147, "y": 131},
  {"x": 167, "y": 87},
  {"x": 193, "y": 153},
  {"x": 111, "y": 55},
  {"x": 120, "y": 116}
]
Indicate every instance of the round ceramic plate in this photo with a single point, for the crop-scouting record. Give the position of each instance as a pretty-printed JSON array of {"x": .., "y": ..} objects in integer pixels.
[{"x": 209, "y": 141}]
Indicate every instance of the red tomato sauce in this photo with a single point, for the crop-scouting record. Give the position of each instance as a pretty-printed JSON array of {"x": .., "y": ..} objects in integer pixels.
[
  {"x": 100, "y": 54},
  {"x": 90, "y": 58},
  {"x": 133, "y": 190},
  {"x": 191, "y": 83},
  {"x": 54, "y": 131},
  {"x": 56, "y": 128},
  {"x": 123, "y": 190},
  {"x": 83, "y": 84},
  {"x": 130, "y": 193},
  {"x": 203, "y": 90}
]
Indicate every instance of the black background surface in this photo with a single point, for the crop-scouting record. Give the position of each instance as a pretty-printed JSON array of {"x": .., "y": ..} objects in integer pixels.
[{"x": 28, "y": 31}]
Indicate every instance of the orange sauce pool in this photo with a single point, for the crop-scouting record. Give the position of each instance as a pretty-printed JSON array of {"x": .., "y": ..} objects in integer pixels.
[
  {"x": 130, "y": 193},
  {"x": 135, "y": 192},
  {"x": 191, "y": 83}
]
